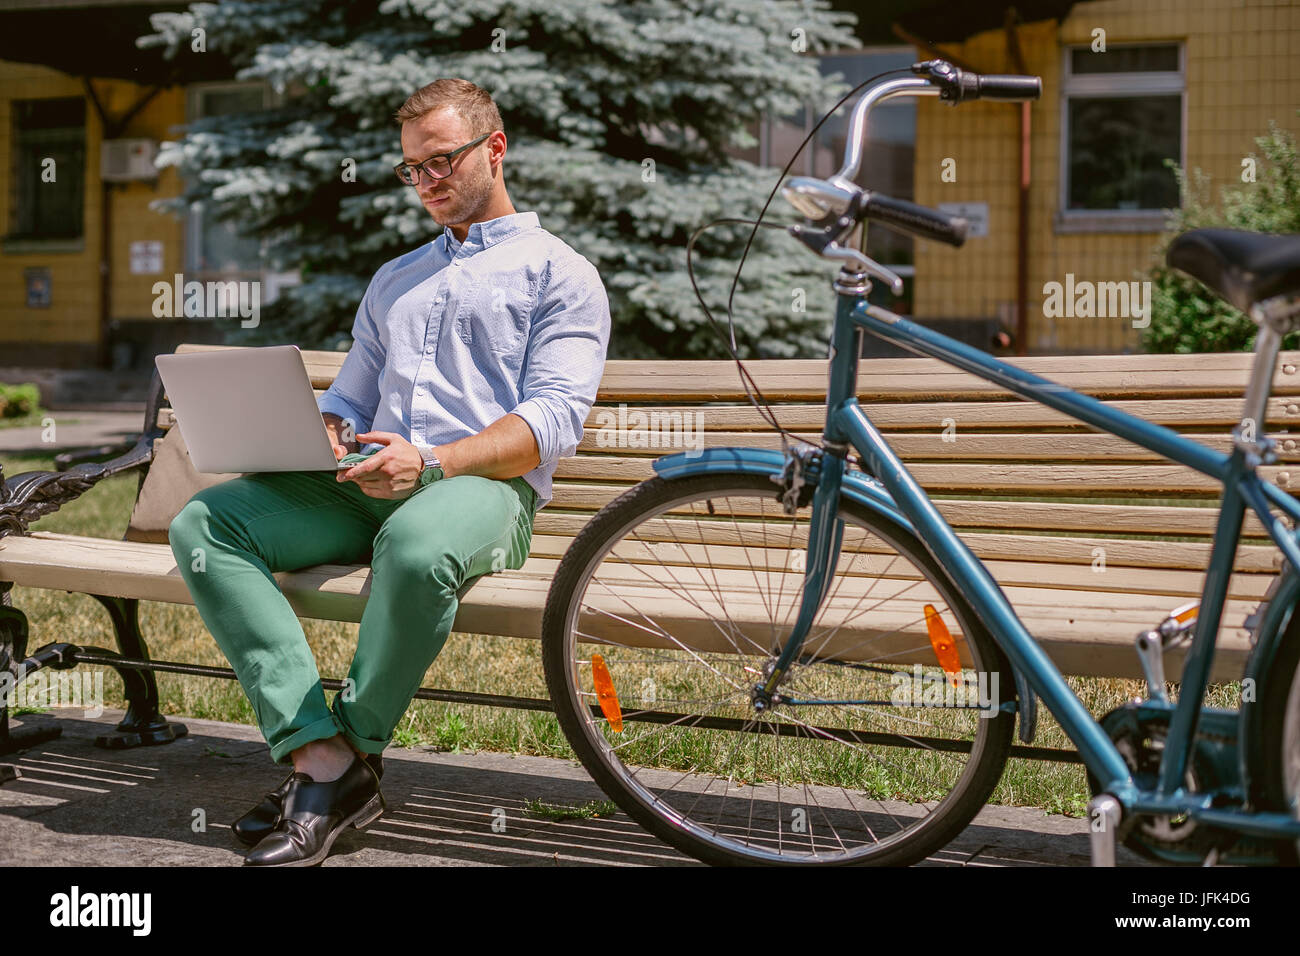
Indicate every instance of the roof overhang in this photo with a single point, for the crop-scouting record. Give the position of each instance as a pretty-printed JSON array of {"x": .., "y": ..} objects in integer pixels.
[{"x": 96, "y": 38}]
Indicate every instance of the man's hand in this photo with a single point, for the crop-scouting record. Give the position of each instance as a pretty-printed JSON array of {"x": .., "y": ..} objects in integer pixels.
[
  {"x": 337, "y": 427},
  {"x": 392, "y": 472}
]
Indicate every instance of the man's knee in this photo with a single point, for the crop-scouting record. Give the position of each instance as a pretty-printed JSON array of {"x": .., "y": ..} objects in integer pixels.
[
  {"x": 190, "y": 525},
  {"x": 407, "y": 554}
]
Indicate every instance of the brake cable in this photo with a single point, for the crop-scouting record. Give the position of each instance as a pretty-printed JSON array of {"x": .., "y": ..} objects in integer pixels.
[{"x": 729, "y": 340}]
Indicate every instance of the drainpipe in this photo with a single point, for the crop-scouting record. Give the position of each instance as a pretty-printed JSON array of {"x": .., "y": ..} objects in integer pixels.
[{"x": 1022, "y": 198}]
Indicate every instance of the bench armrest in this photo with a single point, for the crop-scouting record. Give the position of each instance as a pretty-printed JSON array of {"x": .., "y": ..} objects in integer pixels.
[{"x": 31, "y": 494}]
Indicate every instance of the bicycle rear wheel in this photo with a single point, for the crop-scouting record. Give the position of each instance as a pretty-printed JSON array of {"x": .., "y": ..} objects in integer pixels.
[
  {"x": 661, "y": 619},
  {"x": 1280, "y": 734}
]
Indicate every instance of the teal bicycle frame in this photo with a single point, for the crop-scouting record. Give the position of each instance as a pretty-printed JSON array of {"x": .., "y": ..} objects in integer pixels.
[{"x": 848, "y": 424}]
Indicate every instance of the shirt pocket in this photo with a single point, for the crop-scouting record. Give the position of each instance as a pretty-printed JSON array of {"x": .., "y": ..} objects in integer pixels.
[{"x": 497, "y": 315}]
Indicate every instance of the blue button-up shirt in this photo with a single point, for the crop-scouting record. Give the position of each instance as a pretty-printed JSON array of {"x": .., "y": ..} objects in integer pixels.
[{"x": 452, "y": 336}]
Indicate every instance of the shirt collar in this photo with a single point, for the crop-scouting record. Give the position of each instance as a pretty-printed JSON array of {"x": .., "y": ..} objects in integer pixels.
[{"x": 484, "y": 234}]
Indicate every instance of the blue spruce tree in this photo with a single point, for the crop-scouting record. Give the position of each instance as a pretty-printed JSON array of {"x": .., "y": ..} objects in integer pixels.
[{"x": 617, "y": 117}]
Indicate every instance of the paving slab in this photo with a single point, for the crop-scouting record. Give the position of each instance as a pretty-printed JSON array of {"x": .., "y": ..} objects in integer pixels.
[
  {"x": 73, "y": 428},
  {"x": 75, "y": 804}
]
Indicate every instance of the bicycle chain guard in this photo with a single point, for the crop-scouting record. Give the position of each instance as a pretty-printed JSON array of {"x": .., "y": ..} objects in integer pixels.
[{"x": 1140, "y": 738}]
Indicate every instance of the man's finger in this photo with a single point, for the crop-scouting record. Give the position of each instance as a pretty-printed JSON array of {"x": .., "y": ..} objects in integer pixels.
[
  {"x": 378, "y": 438},
  {"x": 372, "y": 463}
]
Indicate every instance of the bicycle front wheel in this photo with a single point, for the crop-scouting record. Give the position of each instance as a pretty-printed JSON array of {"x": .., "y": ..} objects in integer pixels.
[{"x": 672, "y": 603}]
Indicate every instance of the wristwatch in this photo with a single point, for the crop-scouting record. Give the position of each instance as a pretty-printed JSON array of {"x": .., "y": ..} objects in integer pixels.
[{"x": 432, "y": 468}]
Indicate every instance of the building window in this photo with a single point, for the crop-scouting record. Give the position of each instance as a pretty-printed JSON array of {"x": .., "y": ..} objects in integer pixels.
[
  {"x": 49, "y": 169},
  {"x": 1123, "y": 117},
  {"x": 215, "y": 249}
]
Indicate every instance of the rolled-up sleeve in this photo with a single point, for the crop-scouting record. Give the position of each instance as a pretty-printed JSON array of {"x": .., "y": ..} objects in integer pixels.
[
  {"x": 565, "y": 357},
  {"x": 354, "y": 393}
]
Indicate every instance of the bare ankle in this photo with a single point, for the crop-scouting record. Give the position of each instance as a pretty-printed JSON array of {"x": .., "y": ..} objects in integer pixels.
[{"x": 324, "y": 760}]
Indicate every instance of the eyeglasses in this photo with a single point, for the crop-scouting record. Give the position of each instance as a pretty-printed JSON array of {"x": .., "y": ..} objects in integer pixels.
[{"x": 435, "y": 167}]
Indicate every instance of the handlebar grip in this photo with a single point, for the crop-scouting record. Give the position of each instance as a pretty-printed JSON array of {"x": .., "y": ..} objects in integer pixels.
[
  {"x": 1009, "y": 87},
  {"x": 919, "y": 220}
]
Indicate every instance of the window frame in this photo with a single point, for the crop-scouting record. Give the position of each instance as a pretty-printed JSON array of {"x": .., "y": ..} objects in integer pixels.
[
  {"x": 1119, "y": 86},
  {"x": 16, "y": 243},
  {"x": 271, "y": 282}
]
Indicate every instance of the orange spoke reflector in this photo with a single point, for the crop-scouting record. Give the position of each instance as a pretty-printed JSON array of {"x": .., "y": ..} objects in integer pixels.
[
  {"x": 605, "y": 693},
  {"x": 942, "y": 642}
]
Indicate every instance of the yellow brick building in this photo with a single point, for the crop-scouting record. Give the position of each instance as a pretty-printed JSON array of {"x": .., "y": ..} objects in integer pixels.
[
  {"x": 1237, "y": 69},
  {"x": 66, "y": 299},
  {"x": 67, "y": 331}
]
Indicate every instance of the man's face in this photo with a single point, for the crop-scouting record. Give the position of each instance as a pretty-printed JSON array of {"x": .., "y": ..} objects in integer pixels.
[{"x": 459, "y": 199}]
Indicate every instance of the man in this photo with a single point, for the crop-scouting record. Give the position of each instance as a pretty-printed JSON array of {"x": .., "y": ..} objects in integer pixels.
[{"x": 475, "y": 361}]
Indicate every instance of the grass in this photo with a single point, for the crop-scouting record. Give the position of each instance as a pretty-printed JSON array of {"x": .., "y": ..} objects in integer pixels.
[
  {"x": 469, "y": 662},
  {"x": 564, "y": 811}
]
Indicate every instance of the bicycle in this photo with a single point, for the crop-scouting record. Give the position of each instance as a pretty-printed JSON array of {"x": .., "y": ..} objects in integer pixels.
[{"x": 866, "y": 715}]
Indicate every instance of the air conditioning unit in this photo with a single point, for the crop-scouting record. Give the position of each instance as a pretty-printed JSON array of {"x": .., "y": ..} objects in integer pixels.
[{"x": 125, "y": 160}]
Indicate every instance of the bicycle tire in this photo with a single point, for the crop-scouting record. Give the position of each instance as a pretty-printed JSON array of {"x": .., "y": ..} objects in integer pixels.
[
  {"x": 989, "y": 748},
  {"x": 1279, "y": 725}
]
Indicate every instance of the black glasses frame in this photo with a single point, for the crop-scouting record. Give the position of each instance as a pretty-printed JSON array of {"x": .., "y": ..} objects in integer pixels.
[{"x": 423, "y": 164}]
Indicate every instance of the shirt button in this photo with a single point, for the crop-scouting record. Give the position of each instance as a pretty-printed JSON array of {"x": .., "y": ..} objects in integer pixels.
[{"x": 429, "y": 350}]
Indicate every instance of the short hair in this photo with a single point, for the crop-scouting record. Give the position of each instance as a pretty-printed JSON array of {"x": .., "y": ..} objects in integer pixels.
[{"x": 472, "y": 103}]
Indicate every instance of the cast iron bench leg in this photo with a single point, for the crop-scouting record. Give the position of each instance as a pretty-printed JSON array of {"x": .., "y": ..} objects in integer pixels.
[
  {"x": 13, "y": 649},
  {"x": 143, "y": 724}
]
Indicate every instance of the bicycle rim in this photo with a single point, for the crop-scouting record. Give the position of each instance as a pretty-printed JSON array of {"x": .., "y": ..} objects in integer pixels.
[{"x": 660, "y": 619}]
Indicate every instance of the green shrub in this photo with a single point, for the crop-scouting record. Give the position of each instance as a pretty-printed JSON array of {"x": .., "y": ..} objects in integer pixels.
[
  {"x": 1186, "y": 316},
  {"x": 19, "y": 400}
]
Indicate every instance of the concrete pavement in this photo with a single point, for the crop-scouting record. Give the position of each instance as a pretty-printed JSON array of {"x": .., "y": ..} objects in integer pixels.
[{"x": 76, "y": 804}]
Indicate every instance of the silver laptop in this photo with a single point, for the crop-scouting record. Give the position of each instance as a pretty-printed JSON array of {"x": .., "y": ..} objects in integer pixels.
[{"x": 247, "y": 410}]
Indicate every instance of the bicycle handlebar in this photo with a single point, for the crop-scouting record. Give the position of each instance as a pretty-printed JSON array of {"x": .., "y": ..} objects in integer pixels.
[
  {"x": 836, "y": 204},
  {"x": 958, "y": 86},
  {"x": 1009, "y": 87},
  {"x": 916, "y": 219}
]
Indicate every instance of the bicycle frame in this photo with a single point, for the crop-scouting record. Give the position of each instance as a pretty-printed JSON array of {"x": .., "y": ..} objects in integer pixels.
[{"x": 848, "y": 424}]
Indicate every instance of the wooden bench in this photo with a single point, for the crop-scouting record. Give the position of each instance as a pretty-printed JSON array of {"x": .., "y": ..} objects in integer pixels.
[{"x": 1084, "y": 576}]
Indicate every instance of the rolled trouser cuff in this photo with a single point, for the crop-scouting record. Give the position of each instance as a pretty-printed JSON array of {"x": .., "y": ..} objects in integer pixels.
[
  {"x": 321, "y": 729},
  {"x": 366, "y": 745}
]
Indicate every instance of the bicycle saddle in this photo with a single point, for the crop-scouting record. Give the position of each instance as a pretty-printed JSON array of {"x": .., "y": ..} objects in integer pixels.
[{"x": 1241, "y": 267}]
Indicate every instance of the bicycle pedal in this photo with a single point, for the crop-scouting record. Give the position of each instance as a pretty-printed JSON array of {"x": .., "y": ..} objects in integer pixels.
[{"x": 1180, "y": 620}]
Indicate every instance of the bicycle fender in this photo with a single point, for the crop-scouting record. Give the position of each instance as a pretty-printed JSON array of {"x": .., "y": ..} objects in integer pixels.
[
  {"x": 765, "y": 461},
  {"x": 863, "y": 489},
  {"x": 1272, "y": 619}
]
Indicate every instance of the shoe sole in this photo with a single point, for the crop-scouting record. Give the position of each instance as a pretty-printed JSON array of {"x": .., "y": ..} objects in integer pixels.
[
  {"x": 254, "y": 841},
  {"x": 368, "y": 814}
]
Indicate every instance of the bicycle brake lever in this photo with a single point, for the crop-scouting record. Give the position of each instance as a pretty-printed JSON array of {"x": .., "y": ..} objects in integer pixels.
[{"x": 869, "y": 266}]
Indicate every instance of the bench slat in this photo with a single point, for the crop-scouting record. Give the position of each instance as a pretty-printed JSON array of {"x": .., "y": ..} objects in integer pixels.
[
  {"x": 977, "y": 513},
  {"x": 1180, "y": 585},
  {"x": 961, "y": 445},
  {"x": 1083, "y": 640},
  {"x": 1111, "y": 376},
  {"x": 1019, "y": 416},
  {"x": 1006, "y": 479},
  {"x": 1119, "y": 553}
]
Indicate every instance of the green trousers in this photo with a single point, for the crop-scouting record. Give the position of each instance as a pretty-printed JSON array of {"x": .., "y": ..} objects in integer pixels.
[{"x": 229, "y": 538}]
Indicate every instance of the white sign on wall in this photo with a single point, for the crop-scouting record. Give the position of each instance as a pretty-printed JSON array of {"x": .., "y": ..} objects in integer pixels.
[
  {"x": 976, "y": 213},
  {"x": 146, "y": 257}
]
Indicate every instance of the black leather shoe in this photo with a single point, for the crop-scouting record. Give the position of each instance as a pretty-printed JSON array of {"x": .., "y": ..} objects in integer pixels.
[
  {"x": 263, "y": 818},
  {"x": 314, "y": 814}
]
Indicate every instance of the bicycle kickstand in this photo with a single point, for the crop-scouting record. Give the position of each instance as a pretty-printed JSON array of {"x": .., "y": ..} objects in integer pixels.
[{"x": 1103, "y": 821}]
